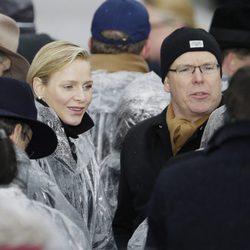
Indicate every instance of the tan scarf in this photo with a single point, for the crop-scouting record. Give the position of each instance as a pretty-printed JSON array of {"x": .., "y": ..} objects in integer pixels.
[
  {"x": 118, "y": 62},
  {"x": 181, "y": 129}
]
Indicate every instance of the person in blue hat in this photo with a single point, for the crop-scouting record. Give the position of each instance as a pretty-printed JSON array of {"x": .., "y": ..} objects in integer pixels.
[
  {"x": 124, "y": 91},
  {"x": 119, "y": 47}
]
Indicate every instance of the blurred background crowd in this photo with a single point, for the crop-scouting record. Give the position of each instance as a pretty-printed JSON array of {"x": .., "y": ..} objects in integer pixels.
[{"x": 78, "y": 14}]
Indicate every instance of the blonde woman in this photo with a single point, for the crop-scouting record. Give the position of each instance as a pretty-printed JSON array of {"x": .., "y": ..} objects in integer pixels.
[{"x": 60, "y": 76}]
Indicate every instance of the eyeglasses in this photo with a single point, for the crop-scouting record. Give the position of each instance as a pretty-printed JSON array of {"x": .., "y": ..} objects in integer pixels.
[{"x": 188, "y": 70}]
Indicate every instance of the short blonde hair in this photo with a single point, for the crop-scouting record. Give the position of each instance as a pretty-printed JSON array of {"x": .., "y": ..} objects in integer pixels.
[{"x": 52, "y": 57}]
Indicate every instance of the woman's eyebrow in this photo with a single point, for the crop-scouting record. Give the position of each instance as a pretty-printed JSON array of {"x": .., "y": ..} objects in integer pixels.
[{"x": 89, "y": 81}]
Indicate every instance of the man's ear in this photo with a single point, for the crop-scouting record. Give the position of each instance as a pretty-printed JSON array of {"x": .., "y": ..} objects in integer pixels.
[
  {"x": 16, "y": 133},
  {"x": 38, "y": 87},
  {"x": 229, "y": 64},
  {"x": 166, "y": 84},
  {"x": 6, "y": 63},
  {"x": 145, "y": 50}
]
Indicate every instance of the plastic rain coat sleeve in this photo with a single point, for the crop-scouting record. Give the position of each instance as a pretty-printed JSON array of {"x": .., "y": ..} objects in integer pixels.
[
  {"x": 64, "y": 234},
  {"x": 215, "y": 121},
  {"x": 139, "y": 237},
  {"x": 107, "y": 91},
  {"x": 39, "y": 186}
]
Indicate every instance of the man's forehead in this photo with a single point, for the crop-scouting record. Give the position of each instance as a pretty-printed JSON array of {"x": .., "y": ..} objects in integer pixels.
[{"x": 194, "y": 57}]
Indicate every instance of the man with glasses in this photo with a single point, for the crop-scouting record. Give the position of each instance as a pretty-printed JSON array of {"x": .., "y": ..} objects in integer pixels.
[
  {"x": 191, "y": 73},
  {"x": 202, "y": 200}
]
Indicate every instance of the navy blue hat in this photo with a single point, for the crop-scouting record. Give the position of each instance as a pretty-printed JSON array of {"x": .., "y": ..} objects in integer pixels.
[
  {"x": 128, "y": 16},
  {"x": 17, "y": 102},
  {"x": 231, "y": 25},
  {"x": 184, "y": 40}
]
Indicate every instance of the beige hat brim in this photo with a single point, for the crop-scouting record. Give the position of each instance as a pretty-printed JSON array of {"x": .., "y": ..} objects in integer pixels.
[{"x": 19, "y": 65}]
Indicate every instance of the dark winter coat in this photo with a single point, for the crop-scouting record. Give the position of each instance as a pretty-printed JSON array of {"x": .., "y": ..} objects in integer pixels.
[
  {"x": 202, "y": 200},
  {"x": 147, "y": 146}
]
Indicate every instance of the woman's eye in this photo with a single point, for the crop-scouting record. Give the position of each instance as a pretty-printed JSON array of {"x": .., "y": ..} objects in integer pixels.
[
  {"x": 68, "y": 86},
  {"x": 87, "y": 87}
]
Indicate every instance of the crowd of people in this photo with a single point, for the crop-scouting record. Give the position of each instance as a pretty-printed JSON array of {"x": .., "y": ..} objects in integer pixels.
[{"x": 138, "y": 142}]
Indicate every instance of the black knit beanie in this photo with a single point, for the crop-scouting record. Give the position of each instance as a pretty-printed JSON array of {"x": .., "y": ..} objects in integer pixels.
[{"x": 185, "y": 40}]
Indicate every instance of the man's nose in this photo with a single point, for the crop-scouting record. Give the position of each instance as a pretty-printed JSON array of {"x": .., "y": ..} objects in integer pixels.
[{"x": 198, "y": 75}]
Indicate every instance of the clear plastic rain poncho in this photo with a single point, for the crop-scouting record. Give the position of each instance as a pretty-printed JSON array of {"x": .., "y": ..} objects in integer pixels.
[
  {"x": 216, "y": 120},
  {"x": 79, "y": 181},
  {"x": 36, "y": 185},
  {"x": 141, "y": 99},
  {"x": 22, "y": 217},
  {"x": 107, "y": 91},
  {"x": 139, "y": 237}
]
